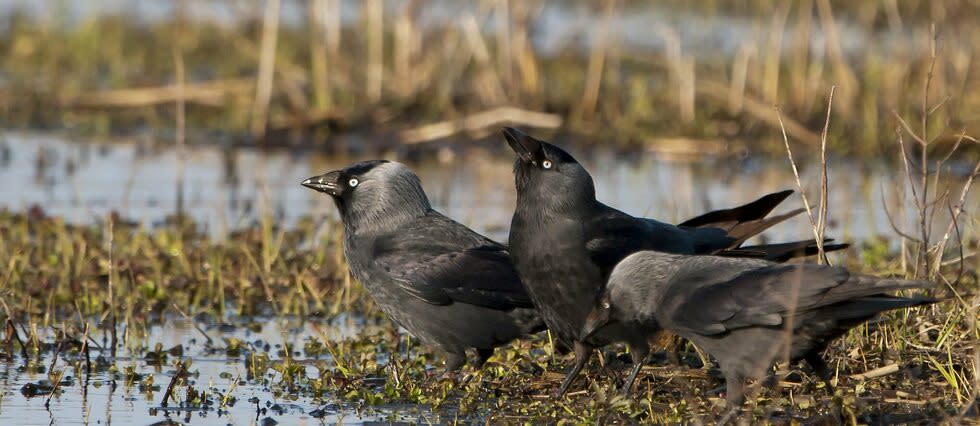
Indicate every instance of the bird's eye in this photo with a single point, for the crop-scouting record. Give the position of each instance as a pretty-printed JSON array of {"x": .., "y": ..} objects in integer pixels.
[
  {"x": 546, "y": 164},
  {"x": 605, "y": 305},
  {"x": 353, "y": 182}
]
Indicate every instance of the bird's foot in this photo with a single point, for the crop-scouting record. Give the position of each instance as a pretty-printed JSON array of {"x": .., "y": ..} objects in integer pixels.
[{"x": 730, "y": 414}]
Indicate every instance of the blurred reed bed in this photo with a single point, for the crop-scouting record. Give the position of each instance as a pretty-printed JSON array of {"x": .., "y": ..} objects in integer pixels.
[{"x": 386, "y": 73}]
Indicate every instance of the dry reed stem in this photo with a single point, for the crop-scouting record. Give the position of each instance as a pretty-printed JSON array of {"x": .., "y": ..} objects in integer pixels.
[
  {"x": 877, "y": 372},
  {"x": 740, "y": 71},
  {"x": 799, "y": 183},
  {"x": 210, "y": 93},
  {"x": 760, "y": 111},
  {"x": 842, "y": 71},
  {"x": 375, "y": 49},
  {"x": 824, "y": 196},
  {"x": 494, "y": 89},
  {"x": 481, "y": 121},
  {"x": 597, "y": 59},
  {"x": 318, "y": 54},
  {"x": 267, "y": 62},
  {"x": 773, "y": 53},
  {"x": 181, "y": 118},
  {"x": 504, "y": 48}
]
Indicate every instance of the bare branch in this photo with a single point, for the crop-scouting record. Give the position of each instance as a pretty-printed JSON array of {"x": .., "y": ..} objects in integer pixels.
[
  {"x": 891, "y": 220},
  {"x": 796, "y": 173}
]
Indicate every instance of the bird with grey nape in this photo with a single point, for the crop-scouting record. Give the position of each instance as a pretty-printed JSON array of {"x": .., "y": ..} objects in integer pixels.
[
  {"x": 447, "y": 285},
  {"x": 746, "y": 313},
  {"x": 565, "y": 243}
]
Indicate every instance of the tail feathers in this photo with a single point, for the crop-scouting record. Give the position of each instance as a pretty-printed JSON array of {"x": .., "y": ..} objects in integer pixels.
[
  {"x": 863, "y": 308},
  {"x": 885, "y": 285},
  {"x": 744, "y": 230},
  {"x": 866, "y": 287},
  {"x": 784, "y": 251},
  {"x": 755, "y": 210}
]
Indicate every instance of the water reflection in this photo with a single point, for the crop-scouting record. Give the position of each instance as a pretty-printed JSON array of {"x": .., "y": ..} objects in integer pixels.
[
  {"x": 105, "y": 398},
  {"x": 227, "y": 189}
]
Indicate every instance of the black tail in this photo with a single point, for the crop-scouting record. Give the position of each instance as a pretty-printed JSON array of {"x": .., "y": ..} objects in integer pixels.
[
  {"x": 743, "y": 222},
  {"x": 783, "y": 251}
]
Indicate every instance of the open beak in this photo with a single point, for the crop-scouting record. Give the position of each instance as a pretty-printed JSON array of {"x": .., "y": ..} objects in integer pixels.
[
  {"x": 597, "y": 319},
  {"x": 326, "y": 183},
  {"x": 525, "y": 146}
]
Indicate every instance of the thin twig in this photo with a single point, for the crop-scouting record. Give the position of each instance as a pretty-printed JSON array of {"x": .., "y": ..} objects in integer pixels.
[
  {"x": 112, "y": 298},
  {"x": 796, "y": 174},
  {"x": 824, "y": 197},
  {"x": 173, "y": 382},
  {"x": 877, "y": 372},
  {"x": 956, "y": 212},
  {"x": 891, "y": 220},
  {"x": 54, "y": 389}
]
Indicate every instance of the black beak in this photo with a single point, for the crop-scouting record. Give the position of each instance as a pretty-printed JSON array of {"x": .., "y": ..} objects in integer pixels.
[
  {"x": 597, "y": 319},
  {"x": 326, "y": 182},
  {"x": 525, "y": 146}
]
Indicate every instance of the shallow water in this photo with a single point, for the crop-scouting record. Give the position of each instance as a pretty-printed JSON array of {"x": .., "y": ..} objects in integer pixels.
[
  {"x": 228, "y": 189},
  {"x": 104, "y": 398}
]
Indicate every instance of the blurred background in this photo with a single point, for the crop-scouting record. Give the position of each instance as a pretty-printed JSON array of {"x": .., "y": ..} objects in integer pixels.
[{"x": 218, "y": 108}]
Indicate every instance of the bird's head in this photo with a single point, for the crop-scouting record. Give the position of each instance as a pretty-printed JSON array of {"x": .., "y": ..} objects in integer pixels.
[
  {"x": 601, "y": 315},
  {"x": 373, "y": 193},
  {"x": 546, "y": 172}
]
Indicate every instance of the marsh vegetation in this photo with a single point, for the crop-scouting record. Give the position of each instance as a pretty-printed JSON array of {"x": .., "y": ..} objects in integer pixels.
[{"x": 159, "y": 260}]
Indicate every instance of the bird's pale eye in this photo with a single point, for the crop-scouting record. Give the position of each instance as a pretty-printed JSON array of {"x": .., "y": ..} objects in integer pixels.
[
  {"x": 353, "y": 182},
  {"x": 546, "y": 164},
  {"x": 605, "y": 305}
]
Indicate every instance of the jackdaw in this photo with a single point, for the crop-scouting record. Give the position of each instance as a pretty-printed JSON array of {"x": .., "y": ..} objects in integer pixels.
[
  {"x": 746, "y": 313},
  {"x": 447, "y": 285},
  {"x": 565, "y": 243}
]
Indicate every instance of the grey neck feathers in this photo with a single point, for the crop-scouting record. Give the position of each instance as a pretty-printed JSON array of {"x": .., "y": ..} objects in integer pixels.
[
  {"x": 641, "y": 281},
  {"x": 388, "y": 196}
]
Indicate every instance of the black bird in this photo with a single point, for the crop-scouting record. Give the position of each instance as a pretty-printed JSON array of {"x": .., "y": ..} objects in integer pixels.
[
  {"x": 447, "y": 285},
  {"x": 746, "y": 313},
  {"x": 565, "y": 243}
]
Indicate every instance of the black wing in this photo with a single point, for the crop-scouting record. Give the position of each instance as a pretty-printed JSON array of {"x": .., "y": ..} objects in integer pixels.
[
  {"x": 611, "y": 235},
  {"x": 441, "y": 262},
  {"x": 759, "y": 297}
]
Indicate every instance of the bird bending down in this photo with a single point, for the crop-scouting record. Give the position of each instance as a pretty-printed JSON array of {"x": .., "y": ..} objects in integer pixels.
[
  {"x": 565, "y": 243},
  {"x": 447, "y": 285},
  {"x": 746, "y": 313}
]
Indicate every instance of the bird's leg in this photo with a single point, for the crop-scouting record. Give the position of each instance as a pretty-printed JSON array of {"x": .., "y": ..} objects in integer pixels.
[
  {"x": 734, "y": 396},
  {"x": 638, "y": 351},
  {"x": 819, "y": 366},
  {"x": 669, "y": 343},
  {"x": 454, "y": 361},
  {"x": 482, "y": 355},
  {"x": 582, "y": 354}
]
